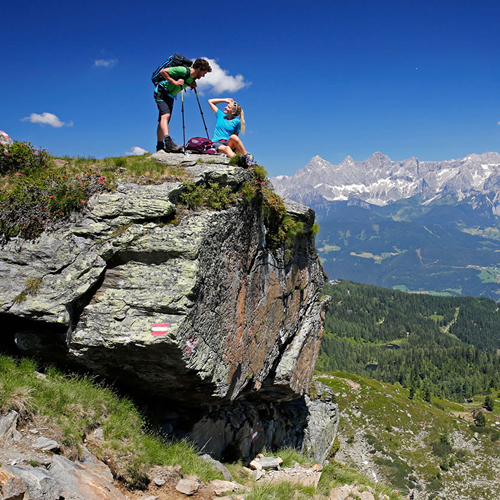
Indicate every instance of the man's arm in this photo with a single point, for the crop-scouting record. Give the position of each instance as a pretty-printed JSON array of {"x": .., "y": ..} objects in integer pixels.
[{"x": 166, "y": 75}]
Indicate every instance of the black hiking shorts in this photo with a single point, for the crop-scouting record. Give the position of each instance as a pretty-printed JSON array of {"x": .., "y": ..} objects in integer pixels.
[{"x": 165, "y": 103}]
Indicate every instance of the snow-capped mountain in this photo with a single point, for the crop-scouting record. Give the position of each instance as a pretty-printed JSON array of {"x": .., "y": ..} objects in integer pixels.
[{"x": 380, "y": 181}]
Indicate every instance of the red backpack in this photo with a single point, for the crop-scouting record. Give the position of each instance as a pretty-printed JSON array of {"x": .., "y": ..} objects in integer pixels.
[{"x": 200, "y": 145}]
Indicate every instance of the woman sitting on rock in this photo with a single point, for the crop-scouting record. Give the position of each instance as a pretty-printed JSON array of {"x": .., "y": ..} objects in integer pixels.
[{"x": 228, "y": 126}]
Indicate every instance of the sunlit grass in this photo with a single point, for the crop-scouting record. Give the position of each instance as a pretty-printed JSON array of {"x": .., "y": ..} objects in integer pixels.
[{"x": 79, "y": 405}]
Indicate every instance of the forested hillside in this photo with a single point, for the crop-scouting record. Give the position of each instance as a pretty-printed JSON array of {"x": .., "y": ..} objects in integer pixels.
[{"x": 439, "y": 345}]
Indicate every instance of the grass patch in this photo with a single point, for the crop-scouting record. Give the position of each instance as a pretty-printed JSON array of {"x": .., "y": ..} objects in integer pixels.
[
  {"x": 79, "y": 405},
  {"x": 281, "y": 491},
  {"x": 335, "y": 475},
  {"x": 209, "y": 196}
]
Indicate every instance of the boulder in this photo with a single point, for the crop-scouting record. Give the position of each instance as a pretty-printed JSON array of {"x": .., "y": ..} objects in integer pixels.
[
  {"x": 322, "y": 423},
  {"x": 187, "y": 486},
  {"x": 84, "y": 481},
  {"x": 45, "y": 444},
  {"x": 11, "y": 486},
  {"x": 222, "y": 487},
  {"x": 199, "y": 311},
  {"x": 8, "y": 427},
  {"x": 218, "y": 466}
]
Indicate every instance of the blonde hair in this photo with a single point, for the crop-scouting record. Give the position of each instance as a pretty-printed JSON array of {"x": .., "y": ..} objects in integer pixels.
[{"x": 239, "y": 112}]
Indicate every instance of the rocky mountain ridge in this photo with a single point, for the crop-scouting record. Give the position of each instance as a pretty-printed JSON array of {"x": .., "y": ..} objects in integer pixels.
[{"x": 379, "y": 180}]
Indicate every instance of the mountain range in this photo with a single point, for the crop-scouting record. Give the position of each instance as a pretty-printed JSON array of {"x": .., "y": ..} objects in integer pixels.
[{"x": 423, "y": 226}]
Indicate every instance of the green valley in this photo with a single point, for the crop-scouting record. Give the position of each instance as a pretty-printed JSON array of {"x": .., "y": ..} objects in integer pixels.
[{"x": 433, "y": 449}]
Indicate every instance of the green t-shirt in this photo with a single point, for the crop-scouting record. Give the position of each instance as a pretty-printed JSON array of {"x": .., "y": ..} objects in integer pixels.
[{"x": 176, "y": 73}]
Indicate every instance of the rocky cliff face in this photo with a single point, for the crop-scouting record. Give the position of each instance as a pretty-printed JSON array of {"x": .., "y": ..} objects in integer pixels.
[{"x": 199, "y": 311}]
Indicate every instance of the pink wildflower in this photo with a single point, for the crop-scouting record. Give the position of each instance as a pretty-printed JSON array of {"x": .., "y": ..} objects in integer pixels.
[
  {"x": 83, "y": 201},
  {"x": 51, "y": 196}
]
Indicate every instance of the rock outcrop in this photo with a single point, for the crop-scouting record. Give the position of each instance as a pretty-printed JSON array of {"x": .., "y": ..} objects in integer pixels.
[
  {"x": 28, "y": 471},
  {"x": 194, "y": 309}
]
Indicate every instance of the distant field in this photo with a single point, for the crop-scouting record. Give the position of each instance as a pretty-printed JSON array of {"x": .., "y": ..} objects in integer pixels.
[
  {"x": 404, "y": 288},
  {"x": 490, "y": 275}
]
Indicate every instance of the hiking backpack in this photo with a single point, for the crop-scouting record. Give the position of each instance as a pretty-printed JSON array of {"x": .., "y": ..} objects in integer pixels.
[
  {"x": 200, "y": 145},
  {"x": 172, "y": 62}
]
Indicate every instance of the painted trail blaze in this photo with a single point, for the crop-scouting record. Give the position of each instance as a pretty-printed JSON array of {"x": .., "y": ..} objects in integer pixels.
[{"x": 159, "y": 328}]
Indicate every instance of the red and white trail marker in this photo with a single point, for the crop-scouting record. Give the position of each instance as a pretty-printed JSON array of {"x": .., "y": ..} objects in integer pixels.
[
  {"x": 254, "y": 435},
  {"x": 159, "y": 329}
]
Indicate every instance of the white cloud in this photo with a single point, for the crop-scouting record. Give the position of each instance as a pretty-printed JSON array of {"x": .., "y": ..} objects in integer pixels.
[
  {"x": 218, "y": 80},
  {"x": 46, "y": 119},
  {"x": 136, "y": 151},
  {"x": 498, "y": 123},
  {"x": 105, "y": 63}
]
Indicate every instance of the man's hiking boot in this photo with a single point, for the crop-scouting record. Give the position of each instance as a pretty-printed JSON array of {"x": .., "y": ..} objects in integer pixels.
[
  {"x": 160, "y": 146},
  {"x": 171, "y": 146}
]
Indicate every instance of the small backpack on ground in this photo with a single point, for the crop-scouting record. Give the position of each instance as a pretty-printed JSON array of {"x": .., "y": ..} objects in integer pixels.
[
  {"x": 172, "y": 62},
  {"x": 200, "y": 145}
]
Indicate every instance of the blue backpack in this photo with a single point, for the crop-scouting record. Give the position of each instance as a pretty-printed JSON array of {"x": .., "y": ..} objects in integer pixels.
[{"x": 172, "y": 62}]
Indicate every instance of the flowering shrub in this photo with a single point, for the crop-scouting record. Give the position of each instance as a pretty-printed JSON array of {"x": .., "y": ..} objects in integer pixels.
[
  {"x": 39, "y": 199},
  {"x": 22, "y": 157}
]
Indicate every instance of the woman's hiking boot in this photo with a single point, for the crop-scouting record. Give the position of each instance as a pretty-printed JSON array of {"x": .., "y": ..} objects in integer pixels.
[
  {"x": 246, "y": 161},
  {"x": 170, "y": 145}
]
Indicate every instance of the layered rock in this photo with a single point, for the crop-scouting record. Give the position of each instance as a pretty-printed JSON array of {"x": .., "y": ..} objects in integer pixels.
[{"x": 198, "y": 311}]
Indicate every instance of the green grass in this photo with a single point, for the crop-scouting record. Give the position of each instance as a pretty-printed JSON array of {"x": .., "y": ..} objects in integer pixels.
[
  {"x": 79, "y": 405},
  {"x": 383, "y": 417},
  {"x": 490, "y": 275},
  {"x": 335, "y": 474}
]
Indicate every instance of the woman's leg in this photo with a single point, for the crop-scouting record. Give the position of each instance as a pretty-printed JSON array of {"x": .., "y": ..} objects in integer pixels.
[
  {"x": 234, "y": 142},
  {"x": 226, "y": 150}
]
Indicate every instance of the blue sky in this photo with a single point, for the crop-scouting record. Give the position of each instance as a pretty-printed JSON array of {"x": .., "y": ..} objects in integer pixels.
[{"x": 332, "y": 78}]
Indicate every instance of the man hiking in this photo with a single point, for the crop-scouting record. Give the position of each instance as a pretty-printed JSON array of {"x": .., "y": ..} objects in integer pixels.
[{"x": 175, "y": 80}]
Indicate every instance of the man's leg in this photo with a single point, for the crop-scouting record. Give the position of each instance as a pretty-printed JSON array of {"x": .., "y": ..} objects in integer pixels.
[
  {"x": 165, "y": 105},
  {"x": 162, "y": 129}
]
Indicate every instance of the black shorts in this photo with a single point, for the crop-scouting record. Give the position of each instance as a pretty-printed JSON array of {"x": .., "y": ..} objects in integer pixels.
[{"x": 165, "y": 103}]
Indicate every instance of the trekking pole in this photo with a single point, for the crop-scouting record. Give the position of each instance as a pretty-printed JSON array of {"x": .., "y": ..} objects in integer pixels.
[
  {"x": 201, "y": 111},
  {"x": 183, "y": 124}
]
